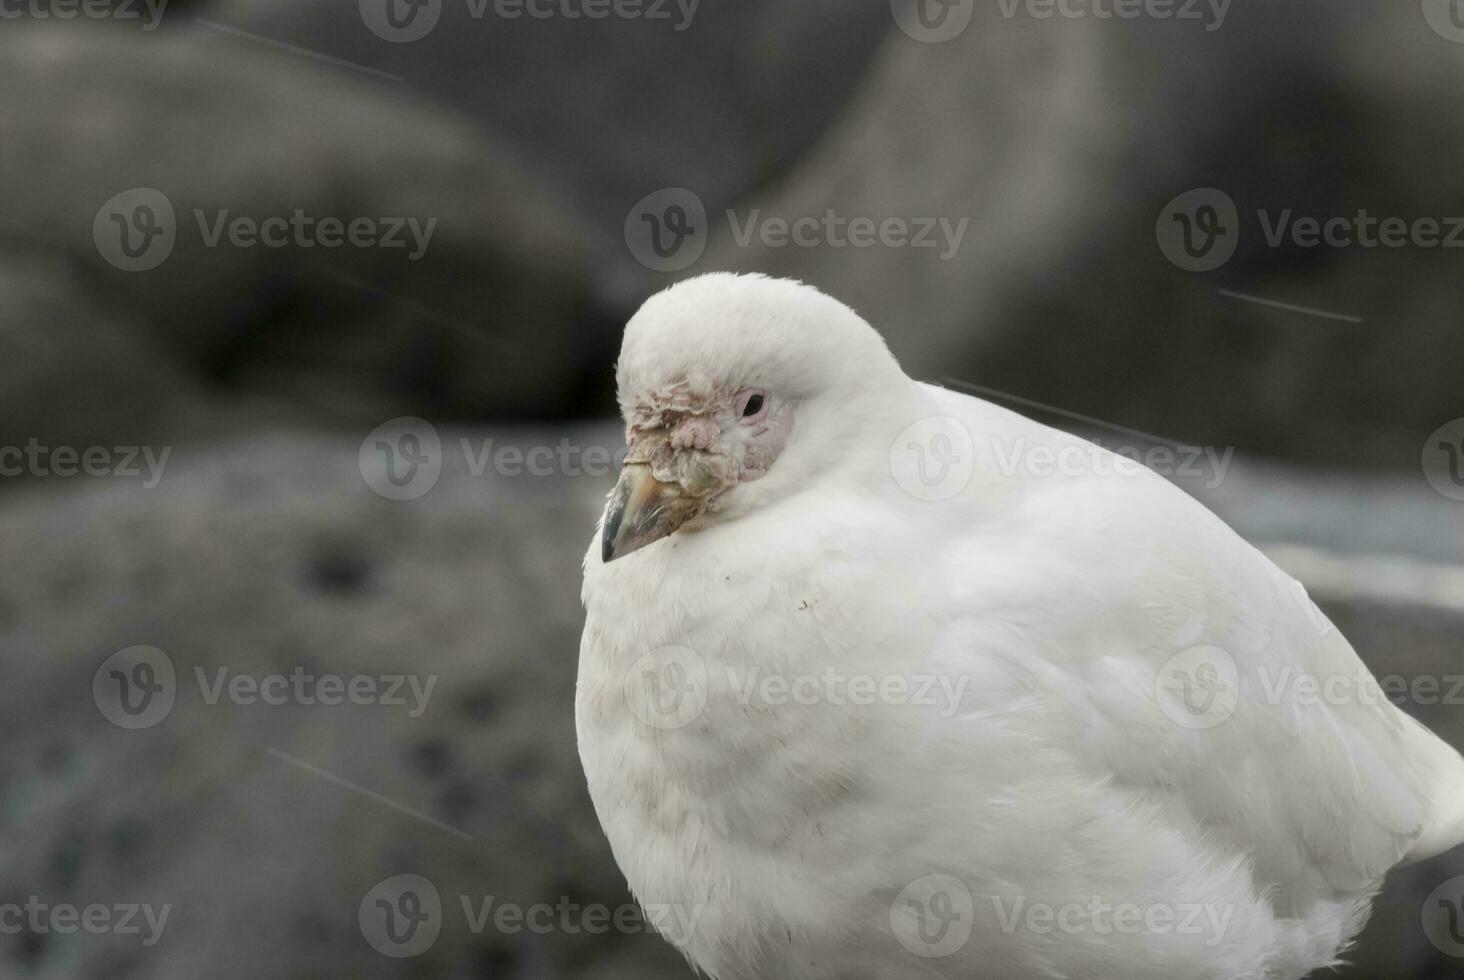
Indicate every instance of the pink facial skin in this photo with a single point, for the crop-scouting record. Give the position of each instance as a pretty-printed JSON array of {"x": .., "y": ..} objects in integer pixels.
[{"x": 708, "y": 443}]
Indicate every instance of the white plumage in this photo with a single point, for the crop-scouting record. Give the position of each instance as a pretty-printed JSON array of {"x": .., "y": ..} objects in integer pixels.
[{"x": 1118, "y": 768}]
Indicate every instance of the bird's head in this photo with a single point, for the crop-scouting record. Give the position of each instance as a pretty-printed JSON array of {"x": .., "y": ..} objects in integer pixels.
[{"x": 737, "y": 391}]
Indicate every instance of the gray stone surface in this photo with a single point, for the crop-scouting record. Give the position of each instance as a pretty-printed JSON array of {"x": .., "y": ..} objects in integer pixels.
[
  {"x": 607, "y": 110},
  {"x": 484, "y": 323},
  {"x": 78, "y": 368},
  {"x": 262, "y": 557}
]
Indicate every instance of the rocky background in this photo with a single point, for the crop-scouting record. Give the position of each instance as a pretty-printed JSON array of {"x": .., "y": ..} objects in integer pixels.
[{"x": 262, "y": 542}]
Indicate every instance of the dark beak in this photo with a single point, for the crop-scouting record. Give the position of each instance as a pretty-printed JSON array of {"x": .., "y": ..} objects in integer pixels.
[{"x": 643, "y": 510}]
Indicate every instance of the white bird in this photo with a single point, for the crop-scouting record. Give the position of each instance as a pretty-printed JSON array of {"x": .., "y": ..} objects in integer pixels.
[{"x": 873, "y": 684}]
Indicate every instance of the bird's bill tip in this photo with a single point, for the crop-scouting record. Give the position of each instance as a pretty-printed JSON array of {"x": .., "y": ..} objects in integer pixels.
[{"x": 641, "y": 511}]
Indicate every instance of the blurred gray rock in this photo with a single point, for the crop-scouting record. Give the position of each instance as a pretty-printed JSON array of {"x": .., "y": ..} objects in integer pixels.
[
  {"x": 606, "y": 109},
  {"x": 1063, "y": 140},
  {"x": 272, "y": 555},
  {"x": 76, "y": 366},
  {"x": 482, "y": 323}
]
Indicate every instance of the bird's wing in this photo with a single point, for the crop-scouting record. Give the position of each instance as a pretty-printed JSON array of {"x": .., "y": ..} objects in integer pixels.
[{"x": 1193, "y": 670}]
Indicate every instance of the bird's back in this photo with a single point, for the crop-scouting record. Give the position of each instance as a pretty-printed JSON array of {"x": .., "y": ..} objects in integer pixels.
[{"x": 1198, "y": 672}]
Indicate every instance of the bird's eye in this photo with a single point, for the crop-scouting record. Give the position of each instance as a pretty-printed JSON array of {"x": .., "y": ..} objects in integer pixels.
[{"x": 753, "y": 406}]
